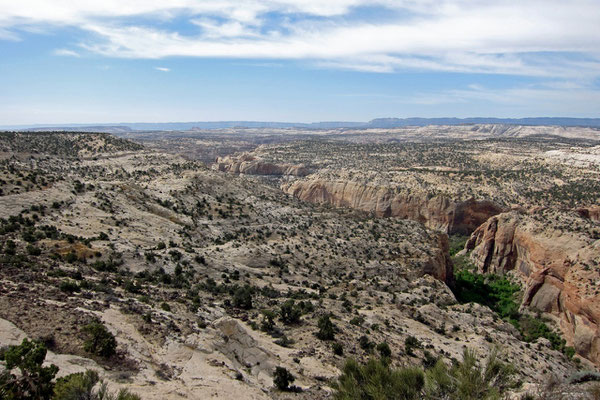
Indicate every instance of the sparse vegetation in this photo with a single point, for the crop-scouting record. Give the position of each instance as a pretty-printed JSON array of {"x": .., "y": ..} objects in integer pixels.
[
  {"x": 100, "y": 341},
  {"x": 180, "y": 253},
  {"x": 33, "y": 380}
]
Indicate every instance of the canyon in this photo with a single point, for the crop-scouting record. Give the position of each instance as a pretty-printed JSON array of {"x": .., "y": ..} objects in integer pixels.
[
  {"x": 190, "y": 264},
  {"x": 557, "y": 260}
]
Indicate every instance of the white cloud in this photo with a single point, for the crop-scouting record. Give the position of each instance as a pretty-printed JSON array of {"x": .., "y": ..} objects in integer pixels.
[
  {"x": 162, "y": 69},
  {"x": 551, "y": 38},
  {"x": 66, "y": 52}
]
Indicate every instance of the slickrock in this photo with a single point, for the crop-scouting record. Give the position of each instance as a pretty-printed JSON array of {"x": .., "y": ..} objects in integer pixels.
[
  {"x": 558, "y": 262},
  {"x": 251, "y": 165},
  {"x": 437, "y": 212}
]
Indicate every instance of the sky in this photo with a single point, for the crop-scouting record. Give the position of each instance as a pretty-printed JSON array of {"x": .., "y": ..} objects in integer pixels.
[{"x": 90, "y": 61}]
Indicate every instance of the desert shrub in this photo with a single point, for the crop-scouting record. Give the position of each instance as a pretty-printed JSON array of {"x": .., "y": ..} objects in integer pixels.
[
  {"x": 468, "y": 380},
  {"x": 76, "y": 386},
  {"x": 100, "y": 341},
  {"x": 33, "y": 380},
  {"x": 465, "y": 380},
  {"x": 429, "y": 360},
  {"x": 283, "y": 378},
  {"x": 242, "y": 298},
  {"x": 365, "y": 343},
  {"x": 533, "y": 328},
  {"x": 70, "y": 257},
  {"x": 326, "y": 328},
  {"x": 411, "y": 343},
  {"x": 268, "y": 322},
  {"x": 337, "y": 348},
  {"x": 33, "y": 250},
  {"x": 377, "y": 380},
  {"x": 290, "y": 312},
  {"x": 69, "y": 287},
  {"x": 80, "y": 386},
  {"x": 285, "y": 341},
  {"x": 384, "y": 349}
]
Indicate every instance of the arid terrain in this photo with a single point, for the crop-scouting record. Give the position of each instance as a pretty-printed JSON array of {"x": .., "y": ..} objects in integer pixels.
[{"x": 215, "y": 256}]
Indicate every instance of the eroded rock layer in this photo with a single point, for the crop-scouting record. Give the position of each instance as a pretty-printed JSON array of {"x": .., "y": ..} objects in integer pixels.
[
  {"x": 251, "y": 165},
  {"x": 437, "y": 212},
  {"x": 559, "y": 263}
]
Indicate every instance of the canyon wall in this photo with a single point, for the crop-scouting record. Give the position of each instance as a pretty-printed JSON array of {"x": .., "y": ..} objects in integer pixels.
[
  {"x": 439, "y": 264},
  {"x": 248, "y": 164},
  {"x": 438, "y": 212},
  {"x": 559, "y": 263}
]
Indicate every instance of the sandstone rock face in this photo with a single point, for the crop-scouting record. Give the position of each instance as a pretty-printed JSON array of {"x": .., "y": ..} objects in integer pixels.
[
  {"x": 438, "y": 212},
  {"x": 559, "y": 267},
  {"x": 592, "y": 213},
  {"x": 439, "y": 265},
  {"x": 251, "y": 165}
]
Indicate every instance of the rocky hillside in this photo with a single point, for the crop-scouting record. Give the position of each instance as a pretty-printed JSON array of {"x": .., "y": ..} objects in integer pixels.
[
  {"x": 557, "y": 257},
  {"x": 208, "y": 281}
]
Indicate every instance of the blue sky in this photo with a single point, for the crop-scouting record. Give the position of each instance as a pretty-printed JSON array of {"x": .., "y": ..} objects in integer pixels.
[{"x": 282, "y": 60}]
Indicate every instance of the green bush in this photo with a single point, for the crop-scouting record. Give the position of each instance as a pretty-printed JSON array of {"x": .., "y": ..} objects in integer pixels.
[
  {"x": 100, "y": 341},
  {"x": 411, "y": 343},
  {"x": 76, "y": 386},
  {"x": 290, "y": 313},
  {"x": 282, "y": 378},
  {"x": 337, "y": 348},
  {"x": 70, "y": 257},
  {"x": 242, "y": 298},
  {"x": 375, "y": 380},
  {"x": 33, "y": 380},
  {"x": 326, "y": 328},
  {"x": 365, "y": 343},
  {"x": 468, "y": 380},
  {"x": 79, "y": 386},
  {"x": 384, "y": 349},
  {"x": 268, "y": 323},
  {"x": 33, "y": 250},
  {"x": 69, "y": 287}
]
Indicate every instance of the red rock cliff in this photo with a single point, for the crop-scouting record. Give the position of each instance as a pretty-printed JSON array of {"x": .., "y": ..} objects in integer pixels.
[{"x": 559, "y": 265}]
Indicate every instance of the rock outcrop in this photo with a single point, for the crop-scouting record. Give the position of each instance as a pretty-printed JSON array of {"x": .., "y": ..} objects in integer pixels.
[
  {"x": 438, "y": 212},
  {"x": 440, "y": 265},
  {"x": 592, "y": 213},
  {"x": 559, "y": 265},
  {"x": 251, "y": 165}
]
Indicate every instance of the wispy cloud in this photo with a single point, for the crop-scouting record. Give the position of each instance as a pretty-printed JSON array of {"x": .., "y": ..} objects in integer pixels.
[
  {"x": 66, "y": 52},
  {"x": 555, "y": 100},
  {"x": 162, "y": 69},
  {"x": 548, "y": 38}
]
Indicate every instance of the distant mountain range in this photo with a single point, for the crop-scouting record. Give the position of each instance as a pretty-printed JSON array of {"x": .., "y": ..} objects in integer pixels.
[{"x": 375, "y": 123}]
